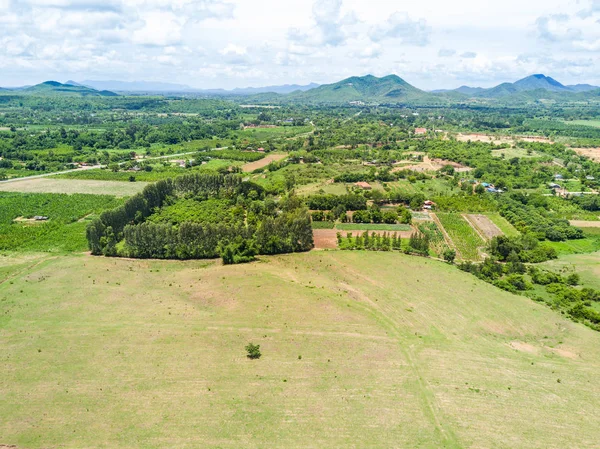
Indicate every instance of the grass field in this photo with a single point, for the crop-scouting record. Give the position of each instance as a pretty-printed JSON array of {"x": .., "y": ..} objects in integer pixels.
[
  {"x": 70, "y": 186},
  {"x": 359, "y": 350},
  {"x": 594, "y": 123},
  {"x": 464, "y": 237},
  {"x": 587, "y": 265},
  {"x": 589, "y": 244},
  {"x": 372, "y": 227}
]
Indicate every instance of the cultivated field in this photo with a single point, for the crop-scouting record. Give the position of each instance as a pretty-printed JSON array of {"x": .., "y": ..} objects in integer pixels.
[
  {"x": 484, "y": 226},
  {"x": 70, "y": 186},
  {"x": 250, "y": 167},
  {"x": 465, "y": 239},
  {"x": 359, "y": 350}
]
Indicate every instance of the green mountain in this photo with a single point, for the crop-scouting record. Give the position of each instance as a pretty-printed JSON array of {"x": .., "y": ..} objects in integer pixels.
[
  {"x": 530, "y": 84},
  {"x": 368, "y": 89},
  {"x": 56, "y": 88}
]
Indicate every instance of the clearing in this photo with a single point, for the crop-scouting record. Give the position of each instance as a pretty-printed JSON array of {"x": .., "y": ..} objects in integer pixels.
[
  {"x": 360, "y": 349},
  {"x": 591, "y": 153},
  {"x": 70, "y": 186},
  {"x": 585, "y": 224},
  {"x": 250, "y": 167}
]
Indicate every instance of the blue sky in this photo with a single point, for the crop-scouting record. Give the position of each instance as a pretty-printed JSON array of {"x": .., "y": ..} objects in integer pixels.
[{"x": 239, "y": 43}]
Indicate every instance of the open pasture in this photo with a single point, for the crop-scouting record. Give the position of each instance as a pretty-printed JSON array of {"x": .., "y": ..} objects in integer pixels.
[{"x": 358, "y": 350}]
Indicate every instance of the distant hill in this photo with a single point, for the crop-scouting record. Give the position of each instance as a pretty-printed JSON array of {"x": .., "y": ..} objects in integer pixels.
[
  {"x": 539, "y": 82},
  {"x": 284, "y": 89},
  {"x": 56, "y": 88},
  {"x": 159, "y": 87},
  {"x": 582, "y": 87},
  {"x": 135, "y": 86},
  {"x": 368, "y": 89}
]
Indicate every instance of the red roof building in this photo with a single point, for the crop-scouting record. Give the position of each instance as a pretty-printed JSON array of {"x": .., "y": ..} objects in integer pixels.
[
  {"x": 420, "y": 131},
  {"x": 363, "y": 185}
]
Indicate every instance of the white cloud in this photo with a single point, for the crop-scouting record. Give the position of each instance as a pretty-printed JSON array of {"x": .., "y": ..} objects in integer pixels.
[
  {"x": 446, "y": 52},
  {"x": 228, "y": 43},
  {"x": 159, "y": 28},
  {"x": 401, "y": 26}
]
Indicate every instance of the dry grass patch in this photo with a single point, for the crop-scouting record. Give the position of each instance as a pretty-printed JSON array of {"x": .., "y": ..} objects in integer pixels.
[{"x": 70, "y": 186}]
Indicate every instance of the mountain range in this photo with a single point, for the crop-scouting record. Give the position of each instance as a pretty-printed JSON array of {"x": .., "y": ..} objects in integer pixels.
[
  {"x": 158, "y": 87},
  {"x": 368, "y": 89},
  {"x": 49, "y": 88}
]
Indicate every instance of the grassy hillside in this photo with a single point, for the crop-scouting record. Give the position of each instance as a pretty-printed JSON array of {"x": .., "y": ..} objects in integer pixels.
[{"x": 359, "y": 350}]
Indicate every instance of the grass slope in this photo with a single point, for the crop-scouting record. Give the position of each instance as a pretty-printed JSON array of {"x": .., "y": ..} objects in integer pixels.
[{"x": 396, "y": 351}]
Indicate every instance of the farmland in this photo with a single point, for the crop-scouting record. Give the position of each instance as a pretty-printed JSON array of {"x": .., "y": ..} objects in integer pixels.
[
  {"x": 64, "y": 230},
  {"x": 462, "y": 234},
  {"x": 169, "y": 338}
]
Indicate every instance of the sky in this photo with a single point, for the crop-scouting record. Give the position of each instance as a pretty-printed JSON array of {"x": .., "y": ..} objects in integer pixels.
[{"x": 433, "y": 44}]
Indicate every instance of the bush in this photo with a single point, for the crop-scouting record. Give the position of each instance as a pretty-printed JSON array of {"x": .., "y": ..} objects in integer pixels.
[{"x": 253, "y": 351}]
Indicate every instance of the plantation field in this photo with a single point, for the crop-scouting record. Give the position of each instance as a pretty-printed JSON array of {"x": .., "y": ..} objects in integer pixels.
[
  {"x": 68, "y": 216},
  {"x": 70, "y": 186},
  {"x": 158, "y": 173},
  {"x": 462, "y": 234},
  {"x": 358, "y": 350}
]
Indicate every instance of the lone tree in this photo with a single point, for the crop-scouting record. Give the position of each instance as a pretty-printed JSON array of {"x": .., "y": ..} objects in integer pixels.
[
  {"x": 449, "y": 256},
  {"x": 253, "y": 351}
]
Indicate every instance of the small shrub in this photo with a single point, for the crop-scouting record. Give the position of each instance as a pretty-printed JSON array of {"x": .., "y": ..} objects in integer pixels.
[{"x": 253, "y": 351}]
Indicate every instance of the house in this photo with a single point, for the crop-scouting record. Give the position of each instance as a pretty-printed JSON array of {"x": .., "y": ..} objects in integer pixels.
[
  {"x": 590, "y": 178},
  {"x": 429, "y": 203},
  {"x": 363, "y": 185},
  {"x": 261, "y": 150},
  {"x": 40, "y": 218},
  {"x": 557, "y": 176},
  {"x": 554, "y": 185},
  {"x": 420, "y": 131}
]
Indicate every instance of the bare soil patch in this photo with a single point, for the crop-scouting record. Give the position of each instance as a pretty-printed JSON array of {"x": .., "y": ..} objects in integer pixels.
[
  {"x": 486, "y": 227},
  {"x": 592, "y": 153},
  {"x": 325, "y": 238},
  {"x": 498, "y": 140},
  {"x": 524, "y": 347},
  {"x": 263, "y": 162},
  {"x": 585, "y": 224},
  {"x": 431, "y": 165}
]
